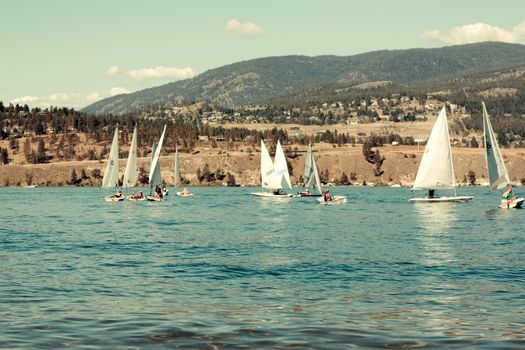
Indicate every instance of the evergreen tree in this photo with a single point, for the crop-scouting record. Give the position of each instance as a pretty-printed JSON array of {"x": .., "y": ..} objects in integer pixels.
[
  {"x": 474, "y": 142},
  {"x": 4, "y": 156}
]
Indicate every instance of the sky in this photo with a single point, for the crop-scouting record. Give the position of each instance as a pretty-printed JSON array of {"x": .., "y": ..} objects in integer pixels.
[{"x": 73, "y": 53}]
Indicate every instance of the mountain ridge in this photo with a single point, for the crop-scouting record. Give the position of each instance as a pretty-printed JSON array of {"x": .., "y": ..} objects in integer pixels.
[{"x": 260, "y": 79}]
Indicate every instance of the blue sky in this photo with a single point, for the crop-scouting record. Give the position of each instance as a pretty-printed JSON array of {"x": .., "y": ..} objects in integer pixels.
[{"x": 72, "y": 53}]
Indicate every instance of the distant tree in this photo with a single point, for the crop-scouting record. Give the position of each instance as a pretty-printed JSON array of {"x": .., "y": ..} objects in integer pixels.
[
  {"x": 27, "y": 148},
  {"x": 199, "y": 175},
  {"x": 96, "y": 173},
  {"x": 74, "y": 180},
  {"x": 4, "y": 156},
  {"x": 474, "y": 142},
  {"x": 91, "y": 154},
  {"x": 83, "y": 175},
  {"x": 143, "y": 176},
  {"x": 471, "y": 176},
  {"x": 343, "y": 180},
  {"x": 230, "y": 179},
  {"x": 41, "y": 152},
  {"x": 13, "y": 143},
  {"x": 29, "y": 179}
]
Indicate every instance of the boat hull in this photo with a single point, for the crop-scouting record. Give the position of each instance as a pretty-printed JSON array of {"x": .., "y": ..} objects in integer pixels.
[
  {"x": 457, "y": 199},
  {"x": 335, "y": 200},
  {"x": 300, "y": 194},
  {"x": 514, "y": 204},
  {"x": 129, "y": 198},
  {"x": 114, "y": 199},
  {"x": 271, "y": 195},
  {"x": 180, "y": 194},
  {"x": 153, "y": 199}
]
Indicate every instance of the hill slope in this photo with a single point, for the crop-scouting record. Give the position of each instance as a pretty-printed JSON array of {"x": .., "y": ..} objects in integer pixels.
[{"x": 263, "y": 78}]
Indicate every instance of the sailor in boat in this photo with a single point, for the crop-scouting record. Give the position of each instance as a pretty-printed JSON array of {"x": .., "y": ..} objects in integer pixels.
[
  {"x": 139, "y": 195},
  {"x": 185, "y": 192},
  {"x": 431, "y": 193},
  {"x": 508, "y": 195},
  {"x": 158, "y": 192},
  {"x": 327, "y": 196},
  {"x": 118, "y": 195},
  {"x": 305, "y": 192}
]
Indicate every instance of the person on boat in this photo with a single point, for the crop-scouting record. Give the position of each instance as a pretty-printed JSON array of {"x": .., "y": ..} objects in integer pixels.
[
  {"x": 327, "y": 196},
  {"x": 305, "y": 192},
  {"x": 185, "y": 192},
  {"x": 277, "y": 192},
  {"x": 158, "y": 192},
  {"x": 139, "y": 195},
  {"x": 118, "y": 194},
  {"x": 431, "y": 193},
  {"x": 508, "y": 194}
]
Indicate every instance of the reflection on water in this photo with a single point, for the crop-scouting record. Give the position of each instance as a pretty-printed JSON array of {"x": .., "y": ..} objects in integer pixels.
[
  {"x": 437, "y": 218},
  {"x": 227, "y": 270}
]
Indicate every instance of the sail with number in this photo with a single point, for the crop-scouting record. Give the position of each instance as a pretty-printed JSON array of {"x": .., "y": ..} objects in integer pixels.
[
  {"x": 110, "y": 178},
  {"x": 267, "y": 170},
  {"x": 130, "y": 174},
  {"x": 436, "y": 169},
  {"x": 281, "y": 167},
  {"x": 154, "y": 174},
  {"x": 498, "y": 176},
  {"x": 311, "y": 174}
]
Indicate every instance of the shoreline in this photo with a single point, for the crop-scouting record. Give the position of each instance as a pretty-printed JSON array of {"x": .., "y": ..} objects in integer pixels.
[{"x": 399, "y": 167}]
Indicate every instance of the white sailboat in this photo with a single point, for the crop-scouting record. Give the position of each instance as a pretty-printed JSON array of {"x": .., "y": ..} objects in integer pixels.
[
  {"x": 110, "y": 179},
  {"x": 274, "y": 176},
  {"x": 154, "y": 173},
  {"x": 498, "y": 176},
  {"x": 185, "y": 192},
  {"x": 436, "y": 170},
  {"x": 311, "y": 176},
  {"x": 130, "y": 173}
]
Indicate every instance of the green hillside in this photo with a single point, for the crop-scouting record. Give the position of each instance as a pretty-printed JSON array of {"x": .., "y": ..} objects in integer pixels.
[{"x": 265, "y": 78}]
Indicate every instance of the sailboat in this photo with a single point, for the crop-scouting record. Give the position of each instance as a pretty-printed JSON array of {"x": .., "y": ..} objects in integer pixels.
[
  {"x": 185, "y": 192},
  {"x": 110, "y": 178},
  {"x": 311, "y": 176},
  {"x": 436, "y": 170},
  {"x": 274, "y": 176},
  {"x": 154, "y": 173},
  {"x": 498, "y": 176},
  {"x": 130, "y": 173}
]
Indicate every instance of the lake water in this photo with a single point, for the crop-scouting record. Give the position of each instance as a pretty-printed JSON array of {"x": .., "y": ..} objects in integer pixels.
[{"x": 225, "y": 270}]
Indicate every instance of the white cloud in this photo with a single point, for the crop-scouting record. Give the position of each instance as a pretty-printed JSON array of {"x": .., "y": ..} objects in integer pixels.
[
  {"x": 113, "y": 70},
  {"x": 72, "y": 99},
  {"x": 118, "y": 90},
  {"x": 477, "y": 32},
  {"x": 161, "y": 72},
  {"x": 247, "y": 29},
  {"x": 94, "y": 96},
  {"x": 61, "y": 97},
  {"x": 25, "y": 100}
]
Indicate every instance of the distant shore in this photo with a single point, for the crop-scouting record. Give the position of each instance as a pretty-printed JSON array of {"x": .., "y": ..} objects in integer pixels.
[{"x": 399, "y": 167}]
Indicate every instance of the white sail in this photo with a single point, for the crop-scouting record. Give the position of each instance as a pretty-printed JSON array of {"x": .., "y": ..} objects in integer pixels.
[
  {"x": 498, "y": 176},
  {"x": 177, "y": 168},
  {"x": 281, "y": 167},
  {"x": 311, "y": 175},
  {"x": 267, "y": 170},
  {"x": 130, "y": 174},
  {"x": 154, "y": 173},
  {"x": 436, "y": 169},
  {"x": 110, "y": 178}
]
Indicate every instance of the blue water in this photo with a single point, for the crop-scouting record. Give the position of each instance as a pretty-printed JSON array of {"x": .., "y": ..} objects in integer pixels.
[{"x": 225, "y": 270}]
